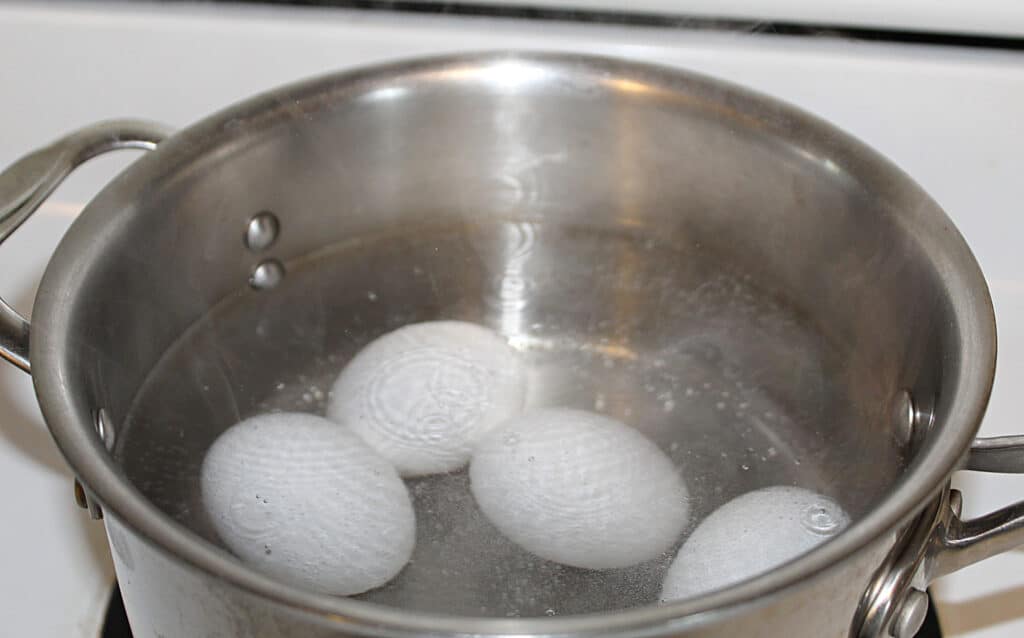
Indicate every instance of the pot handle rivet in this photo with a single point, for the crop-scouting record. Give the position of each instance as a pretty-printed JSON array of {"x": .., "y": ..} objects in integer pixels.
[
  {"x": 261, "y": 231},
  {"x": 267, "y": 274},
  {"x": 87, "y": 502},
  {"x": 105, "y": 428},
  {"x": 903, "y": 418}
]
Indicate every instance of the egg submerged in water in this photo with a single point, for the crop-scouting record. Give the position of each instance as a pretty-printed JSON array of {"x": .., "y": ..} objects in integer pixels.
[
  {"x": 306, "y": 501},
  {"x": 750, "y": 535},
  {"x": 579, "y": 489},
  {"x": 423, "y": 395}
]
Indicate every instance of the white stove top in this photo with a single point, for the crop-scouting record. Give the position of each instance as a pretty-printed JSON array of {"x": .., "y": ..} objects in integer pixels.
[
  {"x": 977, "y": 17},
  {"x": 949, "y": 117}
]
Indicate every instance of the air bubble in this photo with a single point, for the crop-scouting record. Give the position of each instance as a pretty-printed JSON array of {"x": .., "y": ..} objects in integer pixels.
[{"x": 818, "y": 519}]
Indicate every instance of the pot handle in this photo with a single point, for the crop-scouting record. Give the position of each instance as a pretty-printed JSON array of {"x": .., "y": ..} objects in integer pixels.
[
  {"x": 965, "y": 542},
  {"x": 939, "y": 542},
  {"x": 26, "y": 184}
]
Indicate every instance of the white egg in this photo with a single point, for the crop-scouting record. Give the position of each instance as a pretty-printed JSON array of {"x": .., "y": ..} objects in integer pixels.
[
  {"x": 579, "y": 488},
  {"x": 423, "y": 395},
  {"x": 750, "y": 535},
  {"x": 306, "y": 501}
]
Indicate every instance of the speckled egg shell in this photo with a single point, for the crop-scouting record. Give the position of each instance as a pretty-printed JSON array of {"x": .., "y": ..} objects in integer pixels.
[
  {"x": 579, "y": 488},
  {"x": 423, "y": 395},
  {"x": 750, "y": 535},
  {"x": 308, "y": 502}
]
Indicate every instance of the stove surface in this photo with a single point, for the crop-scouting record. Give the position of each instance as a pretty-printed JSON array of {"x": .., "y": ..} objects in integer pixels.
[{"x": 949, "y": 117}]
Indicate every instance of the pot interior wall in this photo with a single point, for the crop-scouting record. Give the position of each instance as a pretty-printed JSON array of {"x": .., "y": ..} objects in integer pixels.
[{"x": 735, "y": 282}]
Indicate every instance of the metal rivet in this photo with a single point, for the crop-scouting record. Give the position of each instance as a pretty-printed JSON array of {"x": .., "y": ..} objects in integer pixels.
[
  {"x": 80, "y": 496},
  {"x": 261, "y": 231},
  {"x": 267, "y": 274},
  {"x": 105, "y": 428},
  {"x": 911, "y": 615},
  {"x": 86, "y": 502},
  {"x": 904, "y": 417}
]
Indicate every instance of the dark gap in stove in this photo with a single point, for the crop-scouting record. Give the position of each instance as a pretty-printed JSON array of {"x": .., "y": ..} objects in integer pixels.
[{"x": 116, "y": 623}]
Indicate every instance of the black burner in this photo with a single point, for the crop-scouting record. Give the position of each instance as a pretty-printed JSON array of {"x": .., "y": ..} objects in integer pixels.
[{"x": 116, "y": 623}]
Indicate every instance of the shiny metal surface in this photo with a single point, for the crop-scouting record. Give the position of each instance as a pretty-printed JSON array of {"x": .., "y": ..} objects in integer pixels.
[
  {"x": 898, "y": 577},
  {"x": 267, "y": 274},
  {"x": 965, "y": 542},
  {"x": 25, "y": 184},
  {"x": 970, "y": 541},
  {"x": 105, "y": 428},
  {"x": 879, "y": 290},
  {"x": 940, "y": 542},
  {"x": 906, "y": 425},
  {"x": 168, "y": 596},
  {"x": 261, "y": 231},
  {"x": 912, "y": 615},
  {"x": 997, "y": 454}
]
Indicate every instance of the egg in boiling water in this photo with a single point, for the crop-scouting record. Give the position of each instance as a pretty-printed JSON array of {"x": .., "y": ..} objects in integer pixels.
[
  {"x": 750, "y": 535},
  {"x": 579, "y": 488},
  {"x": 308, "y": 502},
  {"x": 424, "y": 394}
]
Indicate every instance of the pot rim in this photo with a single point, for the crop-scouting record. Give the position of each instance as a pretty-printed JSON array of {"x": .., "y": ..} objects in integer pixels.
[{"x": 72, "y": 426}]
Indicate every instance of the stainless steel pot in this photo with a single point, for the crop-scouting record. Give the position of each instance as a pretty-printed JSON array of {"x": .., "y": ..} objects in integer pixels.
[{"x": 687, "y": 175}]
